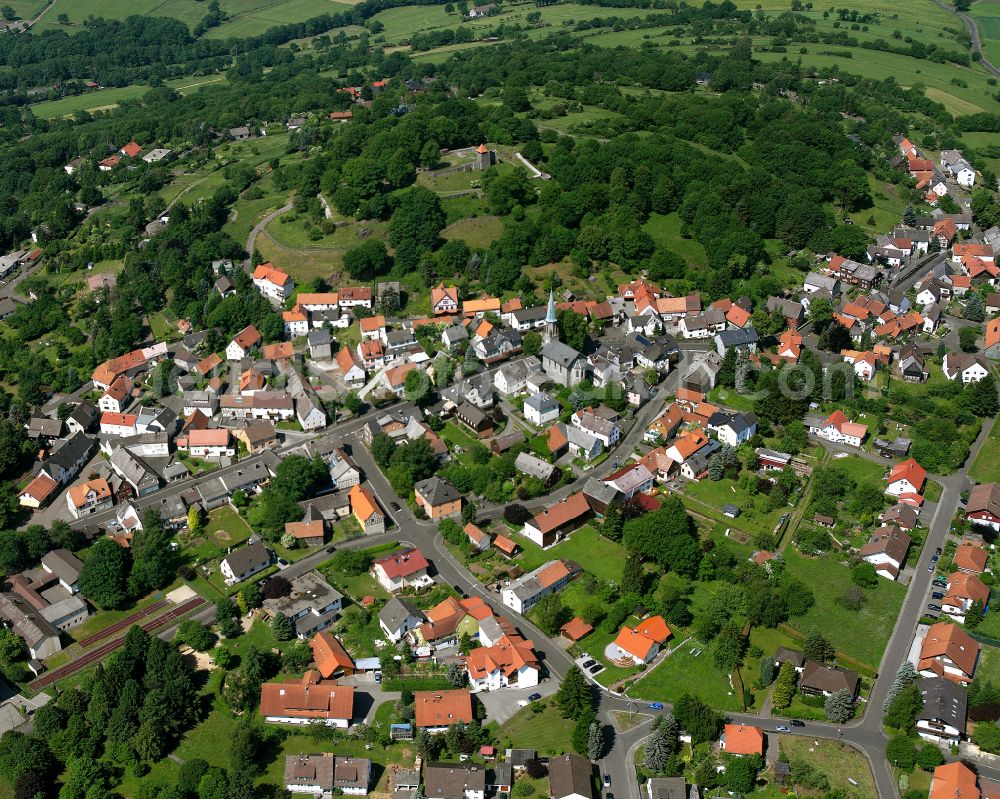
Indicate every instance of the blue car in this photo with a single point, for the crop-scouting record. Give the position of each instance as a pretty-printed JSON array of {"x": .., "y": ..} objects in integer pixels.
[{"x": 656, "y": 706}]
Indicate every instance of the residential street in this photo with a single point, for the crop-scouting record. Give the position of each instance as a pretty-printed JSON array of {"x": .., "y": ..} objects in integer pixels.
[{"x": 865, "y": 734}]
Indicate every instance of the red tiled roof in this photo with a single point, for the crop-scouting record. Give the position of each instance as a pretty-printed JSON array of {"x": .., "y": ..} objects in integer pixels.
[{"x": 442, "y": 708}]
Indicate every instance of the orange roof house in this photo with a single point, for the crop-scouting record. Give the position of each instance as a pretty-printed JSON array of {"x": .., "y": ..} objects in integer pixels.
[
  {"x": 437, "y": 710},
  {"x": 207, "y": 364},
  {"x": 38, "y": 491},
  {"x": 505, "y": 545},
  {"x": 365, "y": 507},
  {"x": 641, "y": 643},
  {"x": 131, "y": 149},
  {"x": 993, "y": 337},
  {"x": 964, "y": 589},
  {"x": 78, "y": 493},
  {"x": 950, "y": 652},
  {"x": 575, "y": 629},
  {"x": 739, "y": 739},
  {"x": 971, "y": 559},
  {"x": 906, "y": 477},
  {"x": 790, "y": 345},
  {"x": 372, "y": 324},
  {"x": 307, "y": 701},
  {"x": 444, "y": 299},
  {"x": 544, "y": 527},
  {"x": 505, "y": 661},
  {"x": 954, "y": 781},
  {"x": 329, "y": 655},
  {"x": 483, "y": 305},
  {"x": 278, "y": 352}
]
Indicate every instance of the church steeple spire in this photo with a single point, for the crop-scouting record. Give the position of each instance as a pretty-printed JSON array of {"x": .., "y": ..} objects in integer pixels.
[{"x": 551, "y": 320}]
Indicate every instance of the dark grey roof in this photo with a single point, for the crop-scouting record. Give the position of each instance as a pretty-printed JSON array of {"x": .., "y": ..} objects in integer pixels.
[
  {"x": 793, "y": 656},
  {"x": 63, "y": 564},
  {"x": 436, "y": 491},
  {"x": 562, "y": 354},
  {"x": 70, "y": 452},
  {"x": 319, "y": 336},
  {"x": 737, "y": 337},
  {"x": 570, "y": 775},
  {"x": 452, "y": 780},
  {"x": 396, "y": 612},
  {"x": 667, "y": 788},
  {"x": 599, "y": 491},
  {"x": 248, "y": 557},
  {"x": 943, "y": 701}
]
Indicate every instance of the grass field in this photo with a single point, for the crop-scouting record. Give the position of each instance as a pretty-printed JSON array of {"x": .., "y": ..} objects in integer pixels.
[
  {"x": 987, "y": 16},
  {"x": 548, "y": 732},
  {"x": 479, "y": 232},
  {"x": 666, "y": 233},
  {"x": 986, "y": 468},
  {"x": 829, "y": 580},
  {"x": 839, "y": 762},
  {"x": 684, "y": 673},
  {"x": 246, "y": 17},
  {"x": 596, "y": 554}
]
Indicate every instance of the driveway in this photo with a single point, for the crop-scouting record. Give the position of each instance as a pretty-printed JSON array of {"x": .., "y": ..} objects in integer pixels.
[{"x": 502, "y": 705}]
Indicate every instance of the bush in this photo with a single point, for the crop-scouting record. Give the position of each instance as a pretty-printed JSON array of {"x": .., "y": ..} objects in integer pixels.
[{"x": 428, "y": 683}]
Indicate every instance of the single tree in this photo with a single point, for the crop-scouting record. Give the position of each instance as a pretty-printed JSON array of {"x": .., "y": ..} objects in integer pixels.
[{"x": 839, "y": 706}]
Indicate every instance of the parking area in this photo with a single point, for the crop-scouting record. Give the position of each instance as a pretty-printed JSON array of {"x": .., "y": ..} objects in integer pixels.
[
  {"x": 501, "y": 705},
  {"x": 589, "y": 665}
]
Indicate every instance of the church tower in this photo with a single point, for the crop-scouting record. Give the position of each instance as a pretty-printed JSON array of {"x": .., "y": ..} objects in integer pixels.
[{"x": 551, "y": 321}]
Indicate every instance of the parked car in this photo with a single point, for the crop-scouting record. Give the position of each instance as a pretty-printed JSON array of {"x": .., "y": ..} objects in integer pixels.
[
  {"x": 937, "y": 551},
  {"x": 394, "y": 506},
  {"x": 597, "y": 668},
  {"x": 932, "y": 606},
  {"x": 282, "y": 563},
  {"x": 783, "y": 728},
  {"x": 937, "y": 595},
  {"x": 930, "y": 566},
  {"x": 331, "y": 548},
  {"x": 588, "y": 663},
  {"x": 607, "y": 780},
  {"x": 534, "y": 697},
  {"x": 656, "y": 705},
  {"x": 378, "y": 676},
  {"x": 935, "y": 558},
  {"x": 798, "y": 723}
]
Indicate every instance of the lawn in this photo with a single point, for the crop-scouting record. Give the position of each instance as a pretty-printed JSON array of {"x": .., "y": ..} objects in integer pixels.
[
  {"x": 225, "y": 527},
  {"x": 548, "y": 731},
  {"x": 99, "y": 100},
  {"x": 666, "y": 233},
  {"x": 708, "y": 496},
  {"x": 477, "y": 233},
  {"x": 986, "y": 468},
  {"x": 829, "y": 580},
  {"x": 686, "y": 673},
  {"x": 988, "y": 667},
  {"x": 839, "y": 762},
  {"x": 987, "y": 16},
  {"x": 458, "y": 436},
  {"x": 596, "y": 554}
]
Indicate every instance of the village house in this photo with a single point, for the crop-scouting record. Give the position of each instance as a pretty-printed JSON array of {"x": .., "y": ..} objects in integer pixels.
[
  {"x": 983, "y": 507},
  {"x": 245, "y": 562},
  {"x": 444, "y": 300},
  {"x": 962, "y": 591},
  {"x": 640, "y": 644},
  {"x": 272, "y": 283},
  {"x": 366, "y": 510},
  {"x": 510, "y": 662},
  {"x": 571, "y": 777},
  {"x": 964, "y": 367},
  {"x": 944, "y": 712},
  {"x": 398, "y": 617},
  {"x": 403, "y": 569},
  {"x": 837, "y": 429},
  {"x": 950, "y": 652},
  {"x": 822, "y": 679},
  {"x": 89, "y": 497},
  {"x": 437, "y": 498},
  {"x": 740, "y": 739},
  {"x": 549, "y": 526},
  {"x": 243, "y": 343},
  {"x": 308, "y": 701},
  {"x": 528, "y": 590},
  {"x": 312, "y": 604},
  {"x": 456, "y": 780},
  {"x": 886, "y": 550},
  {"x": 906, "y": 481},
  {"x": 435, "y": 711},
  {"x": 211, "y": 443}
]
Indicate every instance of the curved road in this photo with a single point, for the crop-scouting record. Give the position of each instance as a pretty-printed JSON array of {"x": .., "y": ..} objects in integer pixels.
[
  {"x": 263, "y": 223},
  {"x": 973, "y": 29}
]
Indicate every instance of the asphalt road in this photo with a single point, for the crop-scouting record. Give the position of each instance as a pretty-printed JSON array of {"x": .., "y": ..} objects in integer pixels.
[{"x": 865, "y": 733}]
